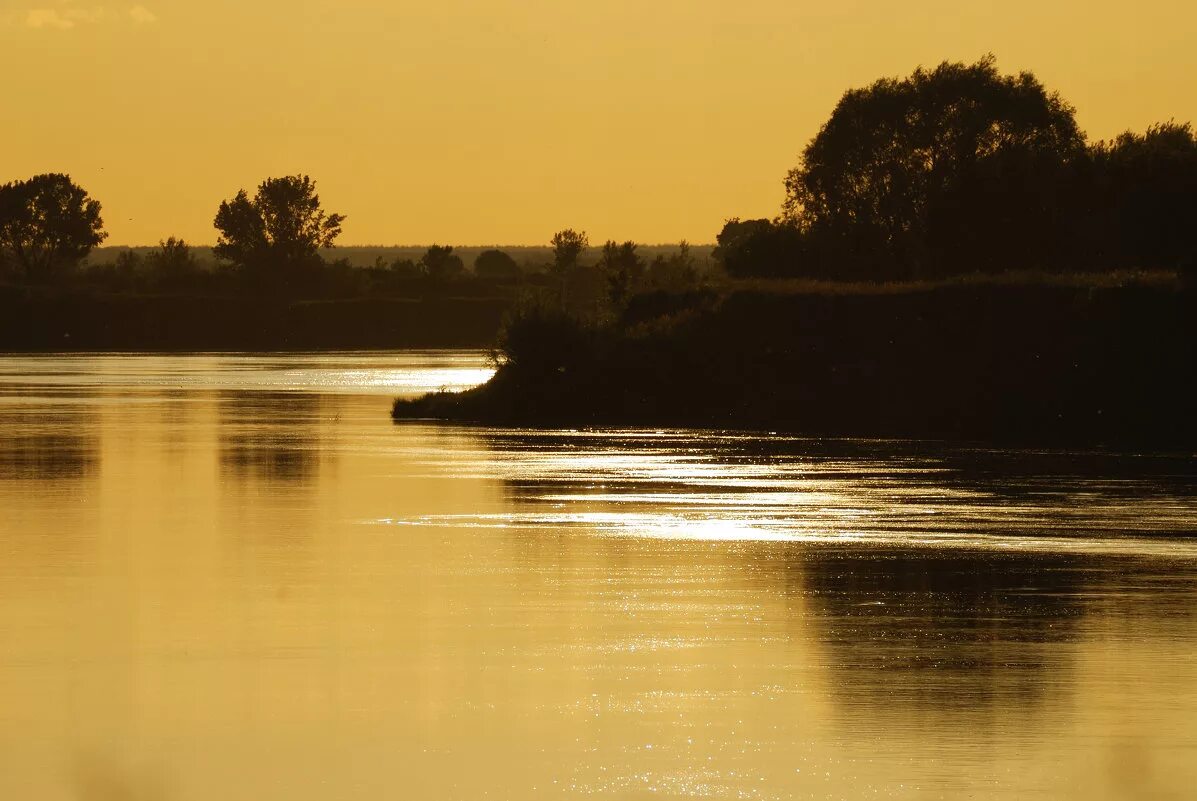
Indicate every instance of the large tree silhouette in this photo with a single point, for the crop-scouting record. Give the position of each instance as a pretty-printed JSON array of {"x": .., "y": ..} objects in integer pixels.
[
  {"x": 48, "y": 223},
  {"x": 909, "y": 176},
  {"x": 279, "y": 230}
]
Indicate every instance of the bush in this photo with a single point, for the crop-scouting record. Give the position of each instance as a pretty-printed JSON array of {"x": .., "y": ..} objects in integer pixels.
[{"x": 538, "y": 338}]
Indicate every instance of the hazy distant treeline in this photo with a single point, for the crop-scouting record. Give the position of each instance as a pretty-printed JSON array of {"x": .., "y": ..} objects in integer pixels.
[
  {"x": 279, "y": 243},
  {"x": 530, "y": 258}
]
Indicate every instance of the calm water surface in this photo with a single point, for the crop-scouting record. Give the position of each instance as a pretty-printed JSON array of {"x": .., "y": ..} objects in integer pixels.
[{"x": 232, "y": 577}]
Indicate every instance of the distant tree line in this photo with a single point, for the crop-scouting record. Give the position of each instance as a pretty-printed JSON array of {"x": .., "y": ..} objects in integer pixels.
[
  {"x": 271, "y": 242},
  {"x": 961, "y": 169}
]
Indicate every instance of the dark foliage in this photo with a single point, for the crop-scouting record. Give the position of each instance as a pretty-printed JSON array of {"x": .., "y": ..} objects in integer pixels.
[
  {"x": 568, "y": 246},
  {"x": 1142, "y": 195},
  {"x": 37, "y": 318},
  {"x": 924, "y": 175},
  {"x": 48, "y": 224},
  {"x": 1030, "y": 363},
  {"x": 440, "y": 263},
  {"x": 961, "y": 169},
  {"x": 274, "y": 237},
  {"x": 765, "y": 249},
  {"x": 496, "y": 265},
  {"x": 622, "y": 268},
  {"x": 540, "y": 339}
]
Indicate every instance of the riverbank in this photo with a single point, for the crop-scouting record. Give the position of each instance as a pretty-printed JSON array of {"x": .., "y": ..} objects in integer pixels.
[
  {"x": 39, "y": 319},
  {"x": 1102, "y": 364}
]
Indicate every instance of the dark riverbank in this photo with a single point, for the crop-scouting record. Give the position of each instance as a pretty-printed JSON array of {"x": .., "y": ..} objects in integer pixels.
[
  {"x": 52, "y": 319},
  {"x": 1033, "y": 363}
]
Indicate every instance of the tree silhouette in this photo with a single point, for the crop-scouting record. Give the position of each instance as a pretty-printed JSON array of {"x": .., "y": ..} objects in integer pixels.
[
  {"x": 914, "y": 174},
  {"x": 568, "y": 245},
  {"x": 280, "y": 229},
  {"x": 172, "y": 257},
  {"x": 48, "y": 223},
  {"x": 1146, "y": 185},
  {"x": 441, "y": 263},
  {"x": 496, "y": 265},
  {"x": 623, "y": 268},
  {"x": 674, "y": 272},
  {"x": 762, "y": 248}
]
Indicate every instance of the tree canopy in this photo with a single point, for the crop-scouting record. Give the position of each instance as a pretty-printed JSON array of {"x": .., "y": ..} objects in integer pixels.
[
  {"x": 568, "y": 246},
  {"x": 441, "y": 263},
  {"x": 759, "y": 248},
  {"x": 48, "y": 223},
  {"x": 1146, "y": 188},
  {"x": 172, "y": 257},
  {"x": 281, "y": 227},
  {"x": 623, "y": 269},
  {"x": 911, "y": 172}
]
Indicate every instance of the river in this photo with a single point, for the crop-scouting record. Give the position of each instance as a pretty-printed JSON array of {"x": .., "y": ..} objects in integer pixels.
[{"x": 234, "y": 577}]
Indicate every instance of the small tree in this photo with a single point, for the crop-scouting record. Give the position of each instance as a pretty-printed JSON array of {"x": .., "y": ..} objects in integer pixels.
[
  {"x": 128, "y": 264},
  {"x": 568, "y": 245},
  {"x": 48, "y": 224},
  {"x": 406, "y": 269},
  {"x": 673, "y": 273},
  {"x": 441, "y": 263},
  {"x": 496, "y": 266},
  {"x": 623, "y": 269},
  {"x": 280, "y": 229},
  {"x": 172, "y": 257}
]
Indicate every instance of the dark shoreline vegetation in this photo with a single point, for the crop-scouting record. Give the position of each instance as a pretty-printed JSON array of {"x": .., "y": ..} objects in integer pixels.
[
  {"x": 953, "y": 258},
  {"x": 1102, "y": 365}
]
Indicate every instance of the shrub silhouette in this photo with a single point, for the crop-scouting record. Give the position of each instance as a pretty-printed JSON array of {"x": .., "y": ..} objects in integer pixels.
[
  {"x": 496, "y": 265},
  {"x": 539, "y": 339}
]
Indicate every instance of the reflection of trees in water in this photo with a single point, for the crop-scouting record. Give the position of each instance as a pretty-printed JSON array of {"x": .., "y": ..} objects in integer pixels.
[
  {"x": 270, "y": 435},
  {"x": 916, "y": 629},
  {"x": 47, "y": 444},
  {"x": 948, "y": 630}
]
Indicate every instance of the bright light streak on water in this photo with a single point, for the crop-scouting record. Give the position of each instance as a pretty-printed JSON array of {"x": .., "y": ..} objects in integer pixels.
[{"x": 406, "y": 373}]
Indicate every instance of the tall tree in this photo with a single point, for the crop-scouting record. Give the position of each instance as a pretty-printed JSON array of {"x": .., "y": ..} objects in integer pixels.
[
  {"x": 915, "y": 174},
  {"x": 281, "y": 228},
  {"x": 48, "y": 223},
  {"x": 568, "y": 246}
]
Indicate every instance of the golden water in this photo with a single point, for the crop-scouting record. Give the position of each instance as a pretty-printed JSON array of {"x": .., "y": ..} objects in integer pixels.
[{"x": 233, "y": 577}]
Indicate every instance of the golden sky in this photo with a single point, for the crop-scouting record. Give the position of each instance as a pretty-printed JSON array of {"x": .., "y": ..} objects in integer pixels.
[{"x": 501, "y": 121}]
